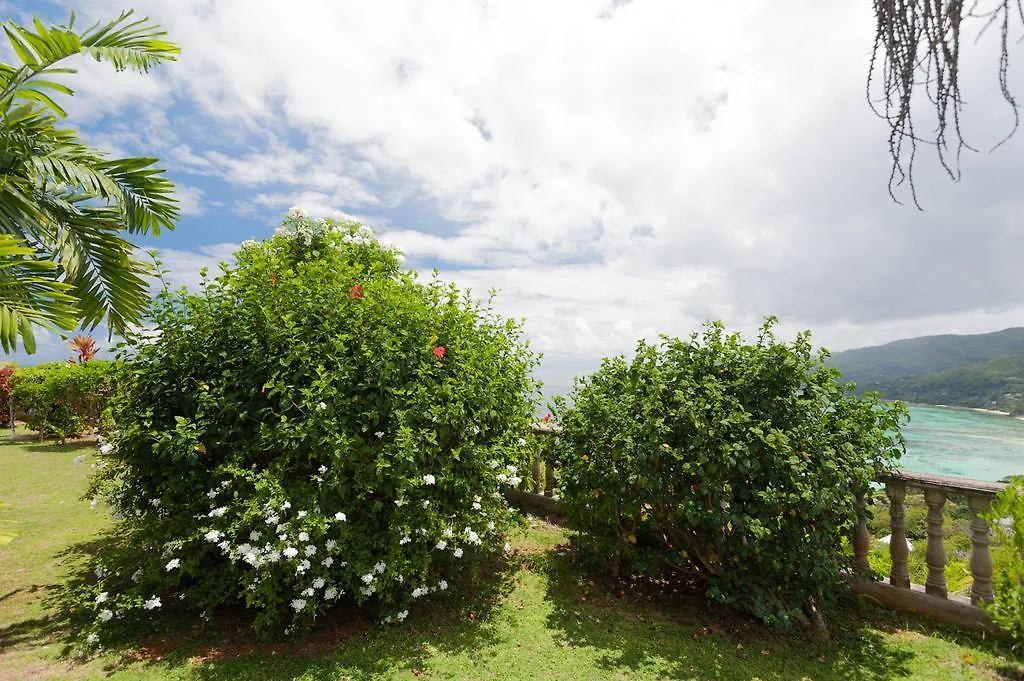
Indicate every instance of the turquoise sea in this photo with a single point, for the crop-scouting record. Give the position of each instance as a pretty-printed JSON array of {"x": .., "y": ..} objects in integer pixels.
[{"x": 971, "y": 444}]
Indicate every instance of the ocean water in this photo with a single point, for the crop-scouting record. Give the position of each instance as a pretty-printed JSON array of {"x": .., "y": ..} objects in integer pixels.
[{"x": 961, "y": 442}]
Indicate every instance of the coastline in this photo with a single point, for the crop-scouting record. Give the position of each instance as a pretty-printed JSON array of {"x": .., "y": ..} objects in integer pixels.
[{"x": 994, "y": 412}]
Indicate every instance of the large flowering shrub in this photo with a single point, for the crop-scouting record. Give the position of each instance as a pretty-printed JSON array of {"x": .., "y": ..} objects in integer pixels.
[
  {"x": 740, "y": 461},
  {"x": 316, "y": 425}
]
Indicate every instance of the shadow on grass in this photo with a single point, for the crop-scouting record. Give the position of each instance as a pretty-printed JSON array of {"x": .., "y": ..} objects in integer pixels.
[
  {"x": 344, "y": 641},
  {"x": 650, "y": 628},
  {"x": 33, "y": 444}
]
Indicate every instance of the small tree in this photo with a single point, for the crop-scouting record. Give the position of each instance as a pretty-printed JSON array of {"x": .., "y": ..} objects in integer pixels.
[
  {"x": 84, "y": 347},
  {"x": 740, "y": 461}
]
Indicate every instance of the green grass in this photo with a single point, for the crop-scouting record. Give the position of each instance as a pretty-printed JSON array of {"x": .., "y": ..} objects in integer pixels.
[{"x": 541, "y": 618}]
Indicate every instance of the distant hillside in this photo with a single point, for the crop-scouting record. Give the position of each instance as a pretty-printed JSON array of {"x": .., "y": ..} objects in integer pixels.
[
  {"x": 927, "y": 354},
  {"x": 982, "y": 371}
]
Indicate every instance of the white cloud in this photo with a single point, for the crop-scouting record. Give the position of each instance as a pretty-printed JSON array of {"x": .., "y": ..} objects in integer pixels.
[
  {"x": 190, "y": 199},
  {"x": 616, "y": 173}
]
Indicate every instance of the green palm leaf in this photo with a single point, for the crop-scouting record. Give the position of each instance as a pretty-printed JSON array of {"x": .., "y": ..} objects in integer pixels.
[{"x": 64, "y": 203}]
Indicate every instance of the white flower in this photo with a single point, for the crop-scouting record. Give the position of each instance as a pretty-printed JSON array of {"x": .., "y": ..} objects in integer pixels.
[
  {"x": 419, "y": 591},
  {"x": 443, "y": 585},
  {"x": 290, "y": 552},
  {"x": 457, "y": 553},
  {"x": 106, "y": 449},
  {"x": 322, "y": 469},
  {"x": 92, "y": 504},
  {"x": 508, "y": 548},
  {"x": 330, "y": 593},
  {"x": 368, "y": 590},
  {"x": 402, "y": 615},
  {"x": 212, "y": 535},
  {"x": 522, "y": 442},
  {"x": 251, "y": 558},
  {"x": 399, "y": 502},
  {"x": 448, "y": 532},
  {"x": 492, "y": 463},
  {"x": 502, "y": 477},
  {"x": 245, "y": 548},
  {"x": 310, "y": 550},
  {"x": 330, "y": 544},
  {"x": 379, "y": 434},
  {"x": 255, "y": 535},
  {"x": 280, "y": 231},
  {"x": 476, "y": 506},
  {"x": 155, "y": 503},
  {"x": 212, "y": 493},
  {"x": 302, "y": 567},
  {"x": 225, "y": 483},
  {"x": 340, "y": 516},
  {"x": 367, "y": 578},
  {"x": 218, "y": 512},
  {"x": 400, "y": 579},
  {"x": 106, "y": 615},
  {"x": 428, "y": 479},
  {"x": 307, "y": 592},
  {"x": 515, "y": 480},
  {"x": 273, "y": 557},
  {"x": 441, "y": 544},
  {"x": 303, "y": 536},
  {"x": 286, "y": 505},
  {"x": 379, "y": 568},
  {"x": 137, "y": 575},
  {"x": 318, "y": 583},
  {"x": 327, "y": 562},
  {"x": 102, "y": 598},
  {"x": 404, "y": 540},
  {"x": 152, "y": 603},
  {"x": 426, "y": 502},
  {"x": 224, "y": 545},
  {"x": 298, "y": 604},
  {"x": 172, "y": 564},
  {"x": 473, "y": 537},
  {"x": 272, "y": 520},
  {"x": 490, "y": 525},
  {"x": 320, "y": 406},
  {"x": 511, "y": 469},
  {"x": 296, "y": 212},
  {"x": 92, "y": 639},
  {"x": 301, "y": 514}
]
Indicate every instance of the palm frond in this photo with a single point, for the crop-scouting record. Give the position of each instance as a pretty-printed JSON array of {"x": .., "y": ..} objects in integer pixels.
[{"x": 30, "y": 295}]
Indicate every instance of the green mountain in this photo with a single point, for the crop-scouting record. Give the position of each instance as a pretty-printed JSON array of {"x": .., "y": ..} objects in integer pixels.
[{"x": 982, "y": 371}]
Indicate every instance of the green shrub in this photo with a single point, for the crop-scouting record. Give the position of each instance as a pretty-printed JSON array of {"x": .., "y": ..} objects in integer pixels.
[
  {"x": 741, "y": 461},
  {"x": 316, "y": 425},
  {"x": 61, "y": 399},
  {"x": 1006, "y": 515}
]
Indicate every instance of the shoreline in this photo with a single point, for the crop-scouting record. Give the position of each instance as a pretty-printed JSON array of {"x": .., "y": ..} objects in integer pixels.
[{"x": 994, "y": 412}]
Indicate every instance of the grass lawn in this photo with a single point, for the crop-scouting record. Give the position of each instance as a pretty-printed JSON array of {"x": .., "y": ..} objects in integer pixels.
[{"x": 540, "y": 619}]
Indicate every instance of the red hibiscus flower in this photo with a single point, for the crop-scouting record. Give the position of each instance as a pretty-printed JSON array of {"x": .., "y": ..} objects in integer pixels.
[
  {"x": 547, "y": 417},
  {"x": 356, "y": 291},
  {"x": 439, "y": 351}
]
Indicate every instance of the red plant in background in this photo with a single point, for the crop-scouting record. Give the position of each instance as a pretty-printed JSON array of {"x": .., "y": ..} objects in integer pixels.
[
  {"x": 85, "y": 349},
  {"x": 6, "y": 371},
  {"x": 547, "y": 417}
]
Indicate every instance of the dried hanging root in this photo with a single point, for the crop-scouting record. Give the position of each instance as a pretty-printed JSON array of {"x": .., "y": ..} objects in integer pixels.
[{"x": 917, "y": 47}]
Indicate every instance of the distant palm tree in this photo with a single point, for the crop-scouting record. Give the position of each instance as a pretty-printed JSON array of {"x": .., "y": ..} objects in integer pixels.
[{"x": 65, "y": 206}]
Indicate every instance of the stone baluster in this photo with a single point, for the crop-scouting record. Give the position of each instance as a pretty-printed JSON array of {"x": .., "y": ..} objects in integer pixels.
[
  {"x": 899, "y": 576},
  {"x": 861, "y": 542},
  {"x": 549, "y": 478},
  {"x": 535, "y": 475},
  {"x": 935, "y": 554},
  {"x": 981, "y": 561}
]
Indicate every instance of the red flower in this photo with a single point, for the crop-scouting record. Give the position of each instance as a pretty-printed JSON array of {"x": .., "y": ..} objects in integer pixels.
[
  {"x": 356, "y": 291},
  {"x": 274, "y": 278},
  {"x": 547, "y": 417},
  {"x": 439, "y": 351}
]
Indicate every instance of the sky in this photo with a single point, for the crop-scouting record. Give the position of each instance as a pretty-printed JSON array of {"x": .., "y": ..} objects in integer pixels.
[{"x": 617, "y": 169}]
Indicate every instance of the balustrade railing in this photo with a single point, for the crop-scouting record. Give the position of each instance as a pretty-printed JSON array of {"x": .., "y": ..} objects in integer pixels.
[{"x": 897, "y": 591}]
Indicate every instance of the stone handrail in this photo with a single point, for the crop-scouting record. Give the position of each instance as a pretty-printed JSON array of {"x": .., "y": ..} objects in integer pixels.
[{"x": 897, "y": 592}]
